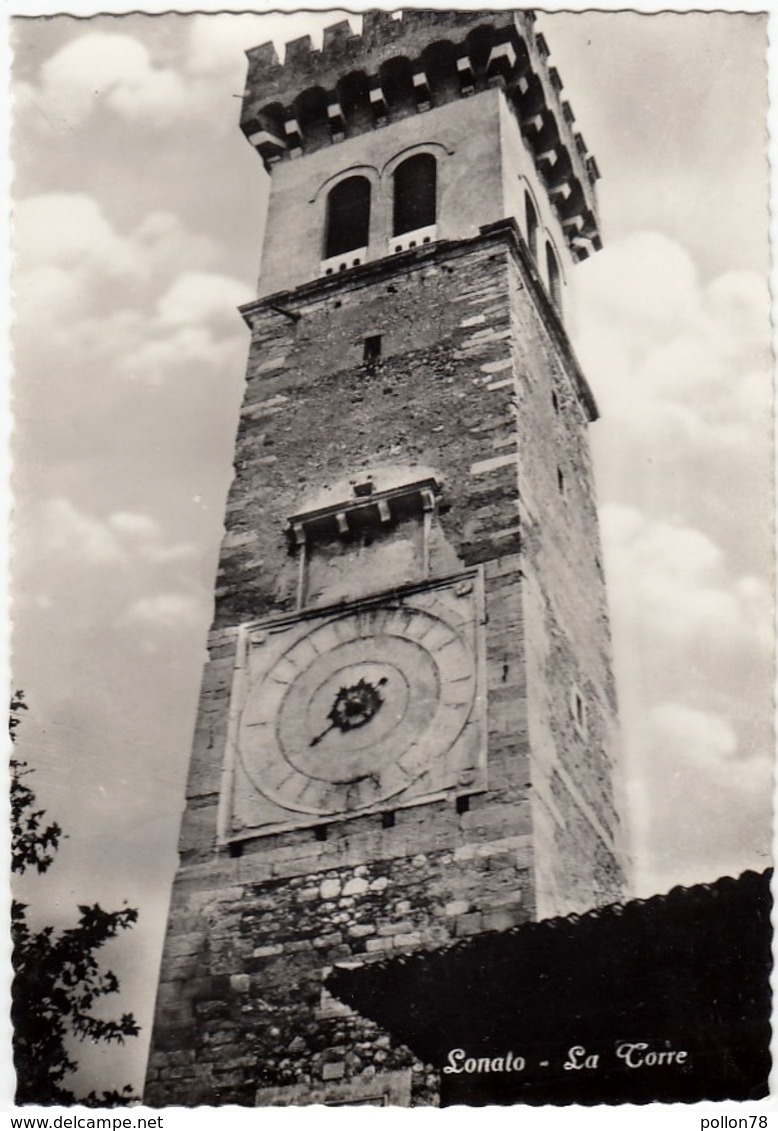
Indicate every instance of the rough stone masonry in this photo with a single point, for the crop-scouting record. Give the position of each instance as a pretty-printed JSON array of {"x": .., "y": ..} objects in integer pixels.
[{"x": 473, "y": 386}]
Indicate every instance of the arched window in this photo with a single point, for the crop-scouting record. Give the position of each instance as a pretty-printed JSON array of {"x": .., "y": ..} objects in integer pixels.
[
  {"x": 554, "y": 279},
  {"x": 348, "y": 216},
  {"x": 531, "y": 217},
  {"x": 415, "y": 194}
]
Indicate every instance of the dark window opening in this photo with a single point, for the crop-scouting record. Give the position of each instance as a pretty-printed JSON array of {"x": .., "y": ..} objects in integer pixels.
[
  {"x": 555, "y": 401},
  {"x": 579, "y": 709},
  {"x": 236, "y": 849},
  {"x": 348, "y": 216},
  {"x": 560, "y": 481},
  {"x": 387, "y": 820},
  {"x": 463, "y": 805},
  {"x": 415, "y": 194},
  {"x": 554, "y": 279},
  {"x": 372, "y": 350},
  {"x": 320, "y": 832},
  {"x": 531, "y": 217}
]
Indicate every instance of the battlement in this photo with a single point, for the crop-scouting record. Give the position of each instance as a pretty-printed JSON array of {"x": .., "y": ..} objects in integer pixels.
[{"x": 406, "y": 63}]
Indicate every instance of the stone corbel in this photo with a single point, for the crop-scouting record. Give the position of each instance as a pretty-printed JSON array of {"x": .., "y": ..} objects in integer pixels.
[
  {"x": 269, "y": 147},
  {"x": 466, "y": 76},
  {"x": 533, "y": 125},
  {"x": 378, "y": 102},
  {"x": 502, "y": 61},
  {"x": 421, "y": 89},
  {"x": 294, "y": 136},
  {"x": 336, "y": 120},
  {"x": 573, "y": 224},
  {"x": 560, "y": 193}
]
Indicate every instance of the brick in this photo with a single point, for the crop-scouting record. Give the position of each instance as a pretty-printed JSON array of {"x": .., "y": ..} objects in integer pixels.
[
  {"x": 331, "y": 939},
  {"x": 361, "y": 930},
  {"x": 379, "y": 944},
  {"x": 268, "y": 951},
  {"x": 457, "y": 907},
  {"x": 412, "y": 938},
  {"x": 497, "y": 366},
  {"x": 468, "y": 924},
  {"x": 391, "y": 928},
  {"x": 357, "y": 886},
  {"x": 494, "y": 463}
]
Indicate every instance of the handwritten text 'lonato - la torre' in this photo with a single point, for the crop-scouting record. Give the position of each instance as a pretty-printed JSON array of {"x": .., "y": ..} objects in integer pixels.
[{"x": 628, "y": 1054}]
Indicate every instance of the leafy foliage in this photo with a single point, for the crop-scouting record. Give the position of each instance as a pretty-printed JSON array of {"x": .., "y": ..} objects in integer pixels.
[
  {"x": 32, "y": 846},
  {"x": 57, "y": 978}
]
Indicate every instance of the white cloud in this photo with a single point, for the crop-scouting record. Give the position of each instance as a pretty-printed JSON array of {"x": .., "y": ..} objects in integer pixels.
[
  {"x": 197, "y": 297},
  {"x": 672, "y": 361},
  {"x": 64, "y": 534},
  {"x": 156, "y": 316},
  {"x": 156, "y": 362},
  {"x": 135, "y": 526},
  {"x": 177, "y": 552},
  {"x": 70, "y": 231},
  {"x": 165, "y": 610},
  {"x": 167, "y": 244},
  {"x": 645, "y": 282},
  {"x": 218, "y": 44},
  {"x": 68, "y": 533},
  {"x": 671, "y": 583},
  {"x": 691, "y": 736},
  {"x": 146, "y": 538},
  {"x": 106, "y": 69},
  {"x": 699, "y": 800},
  {"x": 50, "y": 288},
  {"x": 693, "y": 646}
]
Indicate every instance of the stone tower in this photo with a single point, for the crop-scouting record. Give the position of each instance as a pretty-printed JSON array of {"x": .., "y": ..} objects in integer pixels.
[{"x": 406, "y": 727}]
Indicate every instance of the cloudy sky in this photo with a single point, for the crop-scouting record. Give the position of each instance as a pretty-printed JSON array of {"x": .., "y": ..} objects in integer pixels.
[{"x": 139, "y": 212}]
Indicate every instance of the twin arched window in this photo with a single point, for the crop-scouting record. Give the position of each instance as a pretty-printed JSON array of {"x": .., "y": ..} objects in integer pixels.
[
  {"x": 531, "y": 218},
  {"x": 554, "y": 277},
  {"x": 348, "y": 216},
  {"x": 415, "y": 194},
  {"x": 553, "y": 273},
  {"x": 348, "y": 205}
]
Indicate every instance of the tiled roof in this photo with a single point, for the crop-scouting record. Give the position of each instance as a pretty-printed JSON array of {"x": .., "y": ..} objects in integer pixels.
[{"x": 690, "y": 967}]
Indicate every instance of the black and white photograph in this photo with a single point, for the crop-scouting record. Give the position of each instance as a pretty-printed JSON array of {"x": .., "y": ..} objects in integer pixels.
[{"x": 392, "y": 598}]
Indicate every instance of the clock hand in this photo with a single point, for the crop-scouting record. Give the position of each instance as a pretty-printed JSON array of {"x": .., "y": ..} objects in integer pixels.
[{"x": 353, "y": 707}]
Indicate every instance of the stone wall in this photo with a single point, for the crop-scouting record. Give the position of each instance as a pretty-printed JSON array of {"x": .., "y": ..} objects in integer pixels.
[
  {"x": 476, "y": 134},
  {"x": 242, "y": 1007},
  {"x": 463, "y": 389}
]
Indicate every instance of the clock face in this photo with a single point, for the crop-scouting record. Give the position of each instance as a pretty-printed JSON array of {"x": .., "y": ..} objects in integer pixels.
[{"x": 345, "y": 711}]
